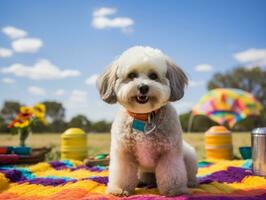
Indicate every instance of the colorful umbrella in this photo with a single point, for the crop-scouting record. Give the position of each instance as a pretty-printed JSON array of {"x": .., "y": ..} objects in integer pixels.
[{"x": 226, "y": 105}]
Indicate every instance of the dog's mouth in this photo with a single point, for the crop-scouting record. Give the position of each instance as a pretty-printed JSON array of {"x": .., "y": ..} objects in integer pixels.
[{"x": 142, "y": 99}]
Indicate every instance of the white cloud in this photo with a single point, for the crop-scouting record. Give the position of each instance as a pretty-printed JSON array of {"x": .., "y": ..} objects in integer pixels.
[
  {"x": 78, "y": 97},
  {"x": 91, "y": 80},
  {"x": 8, "y": 80},
  {"x": 27, "y": 45},
  {"x": 252, "y": 57},
  {"x": 37, "y": 91},
  {"x": 192, "y": 83},
  {"x": 41, "y": 70},
  {"x": 101, "y": 20},
  {"x": 13, "y": 32},
  {"x": 77, "y": 102},
  {"x": 203, "y": 68},
  {"x": 4, "y": 53},
  {"x": 60, "y": 92},
  {"x": 104, "y": 11},
  {"x": 89, "y": 104},
  {"x": 118, "y": 22}
]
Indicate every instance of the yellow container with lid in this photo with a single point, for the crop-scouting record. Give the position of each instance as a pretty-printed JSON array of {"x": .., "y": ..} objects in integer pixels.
[
  {"x": 218, "y": 143},
  {"x": 74, "y": 144}
]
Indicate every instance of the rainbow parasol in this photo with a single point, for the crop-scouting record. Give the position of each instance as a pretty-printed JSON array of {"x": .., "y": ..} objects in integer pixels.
[{"x": 227, "y": 105}]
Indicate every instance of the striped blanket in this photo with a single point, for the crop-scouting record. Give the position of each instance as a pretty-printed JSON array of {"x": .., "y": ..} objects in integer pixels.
[{"x": 70, "y": 180}]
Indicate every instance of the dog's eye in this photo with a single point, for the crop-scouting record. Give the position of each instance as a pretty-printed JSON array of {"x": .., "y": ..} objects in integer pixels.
[
  {"x": 153, "y": 76},
  {"x": 132, "y": 75}
]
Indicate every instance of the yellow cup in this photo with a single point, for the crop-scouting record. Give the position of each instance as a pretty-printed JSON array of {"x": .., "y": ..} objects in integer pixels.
[
  {"x": 74, "y": 144},
  {"x": 218, "y": 143}
]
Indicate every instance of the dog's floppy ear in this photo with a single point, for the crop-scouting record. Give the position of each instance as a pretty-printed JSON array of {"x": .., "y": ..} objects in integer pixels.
[
  {"x": 178, "y": 80},
  {"x": 106, "y": 84}
]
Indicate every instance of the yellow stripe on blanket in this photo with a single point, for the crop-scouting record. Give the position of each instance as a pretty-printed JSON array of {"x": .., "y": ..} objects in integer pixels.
[
  {"x": 219, "y": 165},
  {"x": 77, "y": 174},
  {"x": 32, "y": 189}
]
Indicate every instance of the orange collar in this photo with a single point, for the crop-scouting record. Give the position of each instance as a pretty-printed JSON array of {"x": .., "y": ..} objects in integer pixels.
[{"x": 141, "y": 116}]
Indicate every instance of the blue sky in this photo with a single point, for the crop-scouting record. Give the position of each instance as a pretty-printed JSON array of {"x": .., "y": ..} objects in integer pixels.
[{"x": 53, "y": 50}]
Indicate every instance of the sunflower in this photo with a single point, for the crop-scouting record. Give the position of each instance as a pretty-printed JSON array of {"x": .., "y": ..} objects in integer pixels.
[
  {"x": 25, "y": 113},
  {"x": 22, "y": 123},
  {"x": 39, "y": 108},
  {"x": 41, "y": 117},
  {"x": 39, "y": 112},
  {"x": 28, "y": 115}
]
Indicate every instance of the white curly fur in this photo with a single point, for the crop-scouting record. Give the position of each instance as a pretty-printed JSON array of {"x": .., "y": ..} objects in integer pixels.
[{"x": 162, "y": 155}]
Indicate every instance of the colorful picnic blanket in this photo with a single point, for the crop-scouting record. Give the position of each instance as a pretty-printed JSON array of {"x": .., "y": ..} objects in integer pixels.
[{"x": 71, "y": 180}]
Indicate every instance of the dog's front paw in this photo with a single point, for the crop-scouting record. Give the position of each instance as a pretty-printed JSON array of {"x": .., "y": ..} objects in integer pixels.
[
  {"x": 172, "y": 192},
  {"x": 117, "y": 191}
]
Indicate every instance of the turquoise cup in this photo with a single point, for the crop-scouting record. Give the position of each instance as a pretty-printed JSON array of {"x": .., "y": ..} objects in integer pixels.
[
  {"x": 245, "y": 152},
  {"x": 22, "y": 151}
]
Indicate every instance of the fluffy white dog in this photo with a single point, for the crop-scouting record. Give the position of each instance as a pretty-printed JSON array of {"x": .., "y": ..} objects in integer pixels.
[{"x": 146, "y": 142}]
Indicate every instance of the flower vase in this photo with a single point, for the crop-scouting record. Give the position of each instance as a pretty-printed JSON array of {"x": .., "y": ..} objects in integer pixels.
[{"x": 23, "y": 135}]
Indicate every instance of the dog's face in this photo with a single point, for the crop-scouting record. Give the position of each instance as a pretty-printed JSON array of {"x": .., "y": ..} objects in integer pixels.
[
  {"x": 142, "y": 88},
  {"x": 142, "y": 79}
]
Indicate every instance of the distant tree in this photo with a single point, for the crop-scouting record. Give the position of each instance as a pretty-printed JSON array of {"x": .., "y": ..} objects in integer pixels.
[
  {"x": 55, "y": 111},
  {"x": 184, "y": 120},
  {"x": 263, "y": 116},
  {"x": 41, "y": 128},
  {"x": 3, "y": 125},
  {"x": 249, "y": 79},
  {"x": 80, "y": 121},
  {"x": 9, "y": 110},
  {"x": 101, "y": 126},
  {"x": 247, "y": 124},
  {"x": 200, "y": 123},
  {"x": 57, "y": 126}
]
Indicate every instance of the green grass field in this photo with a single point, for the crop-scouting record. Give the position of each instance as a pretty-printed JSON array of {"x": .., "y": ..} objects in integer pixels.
[{"x": 98, "y": 143}]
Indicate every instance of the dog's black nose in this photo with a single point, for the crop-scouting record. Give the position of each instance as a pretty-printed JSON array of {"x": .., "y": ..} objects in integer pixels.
[{"x": 143, "y": 89}]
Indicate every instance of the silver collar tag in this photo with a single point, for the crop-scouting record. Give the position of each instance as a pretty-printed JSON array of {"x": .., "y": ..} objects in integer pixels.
[{"x": 150, "y": 125}]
